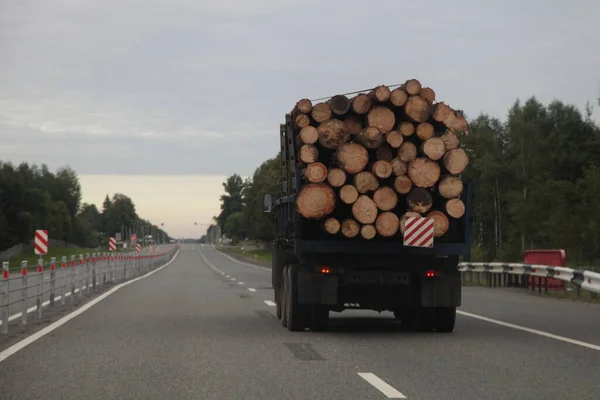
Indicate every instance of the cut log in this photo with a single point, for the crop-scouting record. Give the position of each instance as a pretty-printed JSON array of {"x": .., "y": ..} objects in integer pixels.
[
  {"x": 361, "y": 104},
  {"x": 352, "y": 157},
  {"x": 368, "y": 232},
  {"x": 339, "y": 104},
  {"x": 333, "y": 133},
  {"x": 441, "y": 223},
  {"x": 304, "y": 106},
  {"x": 350, "y": 228},
  {"x": 407, "y": 152},
  {"x": 398, "y": 97},
  {"x": 456, "y": 122},
  {"x": 309, "y": 154},
  {"x": 441, "y": 112},
  {"x": 386, "y": 198},
  {"x": 321, "y": 112},
  {"x": 331, "y": 226},
  {"x": 406, "y": 128},
  {"x": 348, "y": 194},
  {"x": 427, "y": 94},
  {"x": 404, "y": 217},
  {"x": 425, "y": 130},
  {"x": 423, "y": 172},
  {"x": 364, "y": 210},
  {"x": 403, "y": 184},
  {"x": 354, "y": 123},
  {"x": 450, "y": 187},
  {"x": 365, "y": 182},
  {"x": 380, "y": 94},
  {"x": 399, "y": 167},
  {"x": 394, "y": 139},
  {"x": 417, "y": 109},
  {"x": 456, "y": 161},
  {"x": 434, "y": 148},
  {"x": 385, "y": 151},
  {"x": 315, "y": 200},
  {"x": 309, "y": 135},
  {"x": 455, "y": 208},
  {"x": 382, "y": 118},
  {"x": 316, "y": 172},
  {"x": 412, "y": 86},
  {"x": 336, "y": 177},
  {"x": 451, "y": 140},
  {"x": 387, "y": 224},
  {"x": 419, "y": 200},
  {"x": 370, "y": 137},
  {"x": 382, "y": 169},
  {"x": 302, "y": 120}
]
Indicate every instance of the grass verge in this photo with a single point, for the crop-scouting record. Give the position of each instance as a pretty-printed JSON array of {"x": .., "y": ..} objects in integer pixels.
[{"x": 262, "y": 255}]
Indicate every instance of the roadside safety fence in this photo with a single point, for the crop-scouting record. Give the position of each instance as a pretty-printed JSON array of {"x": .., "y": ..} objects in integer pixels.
[
  {"x": 29, "y": 289},
  {"x": 530, "y": 276}
]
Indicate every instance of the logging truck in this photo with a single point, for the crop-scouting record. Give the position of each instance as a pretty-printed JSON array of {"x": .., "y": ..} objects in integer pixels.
[{"x": 373, "y": 213}]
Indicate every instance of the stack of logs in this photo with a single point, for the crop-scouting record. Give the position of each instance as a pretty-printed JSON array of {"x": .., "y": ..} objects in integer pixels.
[{"x": 370, "y": 161}]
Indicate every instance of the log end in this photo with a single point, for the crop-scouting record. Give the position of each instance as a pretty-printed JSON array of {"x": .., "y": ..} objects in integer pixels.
[
  {"x": 348, "y": 194},
  {"x": 308, "y": 154},
  {"x": 455, "y": 208},
  {"x": 339, "y": 104},
  {"x": 354, "y": 123},
  {"x": 413, "y": 87},
  {"x": 350, "y": 228},
  {"x": 315, "y": 201},
  {"x": 368, "y": 232},
  {"x": 385, "y": 198},
  {"x": 336, "y": 177},
  {"x": 434, "y": 148},
  {"x": 316, "y": 172},
  {"x": 403, "y": 184},
  {"x": 381, "y": 117},
  {"x": 309, "y": 135},
  {"x": 352, "y": 157},
  {"x": 407, "y": 152},
  {"x": 304, "y": 106},
  {"x": 398, "y": 97},
  {"x": 427, "y": 94},
  {"x": 399, "y": 167},
  {"x": 387, "y": 224},
  {"x": 361, "y": 104},
  {"x": 456, "y": 161},
  {"x": 394, "y": 139},
  {"x": 364, "y": 210},
  {"x": 321, "y": 112},
  {"x": 302, "y": 120},
  {"x": 425, "y": 130},
  {"x": 450, "y": 187},
  {"x": 419, "y": 200},
  {"x": 331, "y": 226},
  {"x": 441, "y": 223},
  {"x": 382, "y": 169},
  {"x": 406, "y": 128},
  {"x": 333, "y": 133}
]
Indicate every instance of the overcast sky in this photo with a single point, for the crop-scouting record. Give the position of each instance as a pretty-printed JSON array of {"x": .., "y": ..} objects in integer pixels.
[{"x": 193, "y": 87}]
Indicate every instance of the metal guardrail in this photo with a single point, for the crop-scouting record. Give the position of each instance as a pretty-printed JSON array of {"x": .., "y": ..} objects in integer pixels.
[
  {"x": 581, "y": 279},
  {"x": 50, "y": 285}
]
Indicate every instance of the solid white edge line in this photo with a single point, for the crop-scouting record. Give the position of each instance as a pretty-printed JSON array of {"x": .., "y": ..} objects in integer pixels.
[
  {"x": 252, "y": 289},
  {"x": 530, "y": 330},
  {"x": 381, "y": 385},
  {"x": 270, "y": 303},
  {"x": 43, "y": 332},
  {"x": 243, "y": 263}
]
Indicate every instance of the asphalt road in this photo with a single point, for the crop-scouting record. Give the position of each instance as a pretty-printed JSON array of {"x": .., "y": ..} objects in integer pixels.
[{"x": 190, "y": 332}]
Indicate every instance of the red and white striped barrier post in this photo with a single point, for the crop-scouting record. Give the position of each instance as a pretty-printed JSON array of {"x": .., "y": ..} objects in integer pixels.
[
  {"x": 24, "y": 292},
  {"x": 4, "y": 297},
  {"x": 64, "y": 280},
  {"x": 81, "y": 271}
]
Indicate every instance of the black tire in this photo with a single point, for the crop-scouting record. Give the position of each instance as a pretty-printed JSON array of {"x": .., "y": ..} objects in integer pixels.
[
  {"x": 422, "y": 319},
  {"x": 284, "y": 297},
  {"x": 295, "y": 313},
  {"x": 319, "y": 318},
  {"x": 277, "y": 300},
  {"x": 445, "y": 319}
]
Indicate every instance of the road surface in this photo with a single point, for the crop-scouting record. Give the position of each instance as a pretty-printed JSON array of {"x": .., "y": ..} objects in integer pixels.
[{"x": 204, "y": 328}]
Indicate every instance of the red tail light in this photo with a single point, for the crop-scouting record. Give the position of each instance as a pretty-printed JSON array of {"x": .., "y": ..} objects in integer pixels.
[{"x": 430, "y": 274}]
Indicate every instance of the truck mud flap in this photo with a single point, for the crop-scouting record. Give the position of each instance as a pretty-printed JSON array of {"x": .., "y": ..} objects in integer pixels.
[
  {"x": 445, "y": 292},
  {"x": 317, "y": 288}
]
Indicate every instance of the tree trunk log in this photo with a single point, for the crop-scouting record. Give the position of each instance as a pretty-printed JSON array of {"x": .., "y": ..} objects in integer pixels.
[
  {"x": 364, "y": 210},
  {"x": 428, "y": 95},
  {"x": 450, "y": 187},
  {"x": 455, "y": 208},
  {"x": 333, "y": 133},
  {"x": 404, "y": 217},
  {"x": 423, "y": 172},
  {"x": 304, "y": 106},
  {"x": 354, "y": 123},
  {"x": 302, "y": 120},
  {"x": 365, "y": 182},
  {"x": 385, "y": 198},
  {"x": 382, "y": 118},
  {"x": 336, "y": 177},
  {"x": 406, "y": 128},
  {"x": 456, "y": 161},
  {"x": 407, "y": 152},
  {"x": 425, "y": 130},
  {"x": 348, "y": 194},
  {"x": 419, "y": 200},
  {"x": 417, "y": 109},
  {"x": 316, "y": 172},
  {"x": 398, "y": 97},
  {"x": 412, "y": 87},
  {"x": 387, "y": 224},
  {"x": 350, "y": 228},
  {"x": 380, "y": 94},
  {"x": 352, "y": 157},
  {"x": 371, "y": 137},
  {"x": 399, "y": 167},
  {"x": 440, "y": 223},
  {"x": 368, "y": 232},
  {"x": 309, "y": 154},
  {"x": 403, "y": 184},
  {"x": 331, "y": 226},
  {"x": 456, "y": 122},
  {"x": 394, "y": 139},
  {"x": 434, "y": 148},
  {"x": 382, "y": 169},
  {"x": 441, "y": 112},
  {"x": 321, "y": 112},
  {"x": 451, "y": 140},
  {"x": 315, "y": 200},
  {"x": 361, "y": 104},
  {"x": 309, "y": 135},
  {"x": 339, "y": 104},
  {"x": 385, "y": 152}
]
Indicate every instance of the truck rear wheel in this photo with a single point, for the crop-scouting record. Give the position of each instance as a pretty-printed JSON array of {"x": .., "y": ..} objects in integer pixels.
[
  {"x": 445, "y": 319},
  {"x": 295, "y": 313},
  {"x": 283, "y": 297},
  {"x": 319, "y": 318}
]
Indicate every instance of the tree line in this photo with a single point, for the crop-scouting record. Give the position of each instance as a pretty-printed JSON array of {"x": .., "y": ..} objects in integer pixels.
[
  {"x": 534, "y": 177},
  {"x": 32, "y": 197}
]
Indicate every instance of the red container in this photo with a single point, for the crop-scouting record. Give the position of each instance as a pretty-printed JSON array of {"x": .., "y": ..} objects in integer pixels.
[{"x": 553, "y": 258}]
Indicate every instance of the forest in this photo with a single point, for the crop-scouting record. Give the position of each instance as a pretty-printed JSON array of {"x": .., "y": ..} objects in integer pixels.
[
  {"x": 32, "y": 197},
  {"x": 535, "y": 180}
]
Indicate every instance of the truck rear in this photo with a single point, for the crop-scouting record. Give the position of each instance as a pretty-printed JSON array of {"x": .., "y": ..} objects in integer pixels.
[{"x": 372, "y": 213}]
